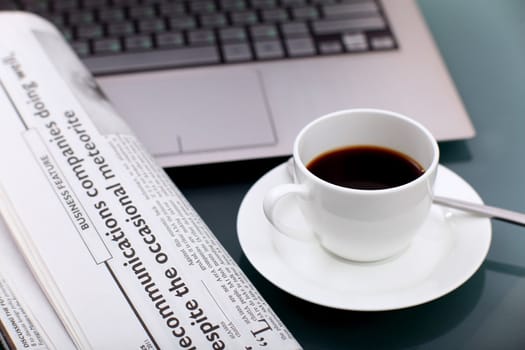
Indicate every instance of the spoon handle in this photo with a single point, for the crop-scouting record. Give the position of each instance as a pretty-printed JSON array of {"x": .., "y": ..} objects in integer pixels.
[{"x": 484, "y": 210}]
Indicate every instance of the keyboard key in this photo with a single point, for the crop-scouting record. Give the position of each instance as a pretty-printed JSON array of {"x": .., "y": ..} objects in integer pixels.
[
  {"x": 294, "y": 29},
  {"x": 236, "y": 52},
  {"x": 89, "y": 4},
  {"x": 202, "y": 6},
  {"x": 110, "y": 15},
  {"x": 233, "y": 5},
  {"x": 214, "y": 20},
  {"x": 170, "y": 39},
  {"x": 263, "y": 4},
  {"x": 264, "y": 32},
  {"x": 125, "y": 2},
  {"x": 141, "y": 12},
  {"x": 201, "y": 37},
  {"x": 342, "y": 10},
  {"x": 138, "y": 42},
  {"x": 121, "y": 29},
  {"x": 171, "y": 9},
  {"x": 155, "y": 25},
  {"x": 330, "y": 47},
  {"x": 81, "y": 17},
  {"x": 268, "y": 49},
  {"x": 323, "y": 2},
  {"x": 93, "y": 31},
  {"x": 65, "y": 5},
  {"x": 350, "y": 24},
  {"x": 274, "y": 15},
  {"x": 229, "y": 35},
  {"x": 355, "y": 42},
  {"x": 384, "y": 42},
  {"x": 181, "y": 23},
  {"x": 293, "y": 3},
  {"x": 300, "y": 47},
  {"x": 189, "y": 56},
  {"x": 244, "y": 17},
  {"x": 107, "y": 46},
  {"x": 305, "y": 13}
]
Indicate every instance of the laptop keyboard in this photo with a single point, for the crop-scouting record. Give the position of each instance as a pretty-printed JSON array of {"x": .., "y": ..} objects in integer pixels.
[{"x": 113, "y": 36}]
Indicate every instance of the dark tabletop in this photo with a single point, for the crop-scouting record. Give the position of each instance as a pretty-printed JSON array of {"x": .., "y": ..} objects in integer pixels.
[{"x": 483, "y": 45}]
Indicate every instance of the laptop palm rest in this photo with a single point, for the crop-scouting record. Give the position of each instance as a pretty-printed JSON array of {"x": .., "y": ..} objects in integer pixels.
[{"x": 195, "y": 111}]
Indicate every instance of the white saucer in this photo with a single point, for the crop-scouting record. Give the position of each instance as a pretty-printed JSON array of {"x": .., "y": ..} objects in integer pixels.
[{"x": 446, "y": 252}]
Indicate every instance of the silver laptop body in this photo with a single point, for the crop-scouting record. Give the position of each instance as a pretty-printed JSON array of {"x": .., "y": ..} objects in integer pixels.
[{"x": 254, "y": 110}]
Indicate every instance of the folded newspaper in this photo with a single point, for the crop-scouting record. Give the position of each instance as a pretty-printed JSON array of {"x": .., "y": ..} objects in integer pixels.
[{"x": 98, "y": 248}]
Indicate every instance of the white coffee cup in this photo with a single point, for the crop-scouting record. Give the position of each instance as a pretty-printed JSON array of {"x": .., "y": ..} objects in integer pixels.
[{"x": 358, "y": 224}]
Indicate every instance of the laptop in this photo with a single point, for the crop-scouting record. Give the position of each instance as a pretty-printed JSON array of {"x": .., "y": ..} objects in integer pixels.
[{"x": 242, "y": 77}]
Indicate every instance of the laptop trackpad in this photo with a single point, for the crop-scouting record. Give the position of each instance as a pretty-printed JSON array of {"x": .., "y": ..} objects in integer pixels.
[{"x": 186, "y": 112}]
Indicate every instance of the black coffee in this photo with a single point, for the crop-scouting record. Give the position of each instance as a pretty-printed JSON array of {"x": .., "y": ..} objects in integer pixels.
[{"x": 366, "y": 167}]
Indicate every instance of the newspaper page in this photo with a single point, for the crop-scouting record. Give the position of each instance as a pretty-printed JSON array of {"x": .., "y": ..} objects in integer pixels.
[
  {"x": 17, "y": 325},
  {"x": 23, "y": 306},
  {"x": 120, "y": 254}
]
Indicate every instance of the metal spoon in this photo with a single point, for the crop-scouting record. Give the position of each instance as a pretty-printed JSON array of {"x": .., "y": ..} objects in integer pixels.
[{"x": 483, "y": 210}]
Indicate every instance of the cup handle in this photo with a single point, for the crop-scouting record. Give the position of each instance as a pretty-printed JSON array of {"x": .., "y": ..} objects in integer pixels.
[{"x": 273, "y": 197}]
